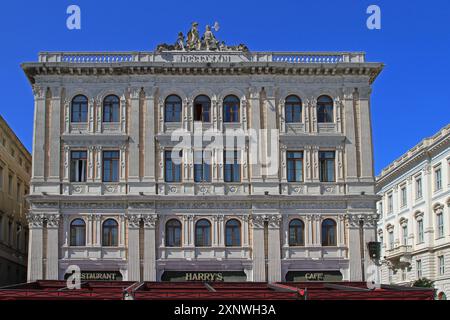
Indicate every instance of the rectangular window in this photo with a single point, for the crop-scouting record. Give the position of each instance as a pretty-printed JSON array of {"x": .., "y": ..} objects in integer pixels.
[
  {"x": 1, "y": 178},
  {"x": 202, "y": 166},
  {"x": 441, "y": 265},
  {"x": 19, "y": 189},
  {"x": 419, "y": 268},
  {"x": 420, "y": 231},
  {"x": 294, "y": 166},
  {"x": 418, "y": 188},
  {"x": 405, "y": 234},
  {"x": 390, "y": 204},
  {"x": 403, "y": 196},
  {"x": 440, "y": 225},
  {"x": 232, "y": 166},
  {"x": 172, "y": 166},
  {"x": 78, "y": 161},
  {"x": 111, "y": 166},
  {"x": 10, "y": 185},
  {"x": 10, "y": 233},
  {"x": 326, "y": 161},
  {"x": 391, "y": 240},
  {"x": 437, "y": 179},
  {"x": 380, "y": 208}
]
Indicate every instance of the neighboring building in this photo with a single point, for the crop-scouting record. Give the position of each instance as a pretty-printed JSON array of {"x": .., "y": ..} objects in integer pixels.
[
  {"x": 415, "y": 224},
  {"x": 110, "y": 195},
  {"x": 15, "y": 172}
]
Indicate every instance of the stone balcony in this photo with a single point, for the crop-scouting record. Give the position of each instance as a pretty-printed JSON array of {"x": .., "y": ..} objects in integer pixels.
[{"x": 399, "y": 257}]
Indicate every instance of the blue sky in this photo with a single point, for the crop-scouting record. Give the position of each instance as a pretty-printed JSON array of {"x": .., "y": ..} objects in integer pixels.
[{"x": 410, "y": 99}]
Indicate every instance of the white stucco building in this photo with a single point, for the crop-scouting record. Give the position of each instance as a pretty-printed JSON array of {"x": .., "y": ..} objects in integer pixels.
[
  {"x": 108, "y": 193},
  {"x": 415, "y": 223}
]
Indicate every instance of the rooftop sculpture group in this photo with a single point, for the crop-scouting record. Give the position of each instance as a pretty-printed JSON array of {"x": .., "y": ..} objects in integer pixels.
[{"x": 194, "y": 42}]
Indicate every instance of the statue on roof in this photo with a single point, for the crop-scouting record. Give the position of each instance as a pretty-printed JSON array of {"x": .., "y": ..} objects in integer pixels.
[
  {"x": 207, "y": 42},
  {"x": 193, "y": 38}
]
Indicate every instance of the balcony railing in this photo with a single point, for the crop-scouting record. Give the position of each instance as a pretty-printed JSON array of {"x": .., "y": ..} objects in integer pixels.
[
  {"x": 285, "y": 57},
  {"x": 399, "y": 251}
]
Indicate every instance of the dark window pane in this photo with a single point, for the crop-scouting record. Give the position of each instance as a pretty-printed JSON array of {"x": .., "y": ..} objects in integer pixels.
[
  {"x": 111, "y": 106},
  {"x": 78, "y": 160},
  {"x": 173, "y": 233},
  {"x": 327, "y": 166},
  {"x": 233, "y": 233},
  {"x": 111, "y": 166},
  {"x": 78, "y": 233},
  {"x": 294, "y": 166},
  {"x": 172, "y": 167},
  {"x": 324, "y": 109},
  {"x": 203, "y": 233},
  {"x": 172, "y": 109},
  {"x": 79, "y": 109},
  {"x": 293, "y": 109},
  {"x": 296, "y": 233},
  {"x": 231, "y": 106},
  {"x": 110, "y": 233},
  {"x": 328, "y": 232}
]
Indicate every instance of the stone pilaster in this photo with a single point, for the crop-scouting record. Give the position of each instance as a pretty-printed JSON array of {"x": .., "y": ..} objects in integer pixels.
[
  {"x": 35, "y": 247},
  {"x": 150, "y": 222},
  {"x": 366, "y": 149},
  {"x": 354, "y": 247},
  {"x": 133, "y": 170},
  {"x": 149, "y": 133},
  {"x": 349, "y": 130},
  {"x": 54, "y": 135},
  {"x": 39, "y": 133},
  {"x": 255, "y": 116},
  {"x": 274, "y": 254},
  {"x": 52, "y": 247},
  {"x": 134, "y": 269},
  {"x": 259, "y": 264}
]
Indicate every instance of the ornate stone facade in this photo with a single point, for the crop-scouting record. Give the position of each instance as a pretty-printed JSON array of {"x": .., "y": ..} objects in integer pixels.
[
  {"x": 415, "y": 225},
  {"x": 148, "y": 204}
]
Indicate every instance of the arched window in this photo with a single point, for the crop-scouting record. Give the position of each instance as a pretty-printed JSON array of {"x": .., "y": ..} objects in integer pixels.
[
  {"x": 203, "y": 233},
  {"x": 324, "y": 109},
  {"x": 79, "y": 109},
  {"x": 293, "y": 109},
  {"x": 328, "y": 233},
  {"x": 172, "y": 109},
  {"x": 231, "y": 106},
  {"x": 78, "y": 233},
  {"x": 111, "y": 109},
  {"x": 202, "y": 108},
  {"x": 233, "y": 233},
  {"x": 296, "y": 233},
  {"x": 110, "y": 233},
  {"x": 173, "y": 233}
]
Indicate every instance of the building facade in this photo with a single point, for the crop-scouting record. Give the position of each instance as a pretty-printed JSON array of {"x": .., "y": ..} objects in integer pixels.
[
  {"x": 134, "y": 177},
  {"x": 15, "y": 174},
  {"x": 415, "y": 224}
]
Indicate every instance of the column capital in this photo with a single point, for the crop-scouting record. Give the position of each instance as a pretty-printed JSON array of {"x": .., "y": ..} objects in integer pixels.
[
  {"x": 150, "y": 220},
  {"x": 39, "y": 91},
  {"x": 134, "y": 220},
  {"x": 53, "y": 220},
  {"x": 35, "y": 220}
]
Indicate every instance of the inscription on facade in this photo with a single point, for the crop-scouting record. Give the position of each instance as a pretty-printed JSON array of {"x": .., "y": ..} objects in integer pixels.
[{"x": 204, "y": 58}]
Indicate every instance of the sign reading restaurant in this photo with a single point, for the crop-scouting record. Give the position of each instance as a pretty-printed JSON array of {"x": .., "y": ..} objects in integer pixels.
[{"x": 99, "y": 275}]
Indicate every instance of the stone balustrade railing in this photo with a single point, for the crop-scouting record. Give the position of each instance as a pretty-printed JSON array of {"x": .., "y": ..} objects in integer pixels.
[{"x": 199, "y": 56}]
